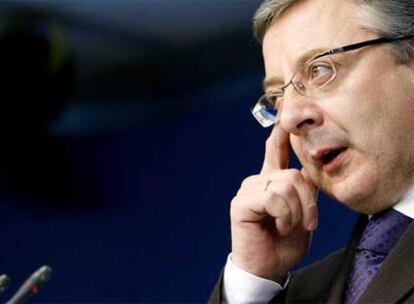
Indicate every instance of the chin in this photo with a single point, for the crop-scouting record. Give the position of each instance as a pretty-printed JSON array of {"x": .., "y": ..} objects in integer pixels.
[{"x": 358, "y": 191}]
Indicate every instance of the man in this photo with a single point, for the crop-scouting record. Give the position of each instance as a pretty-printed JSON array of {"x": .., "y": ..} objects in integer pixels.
[{"x": 339, "y": 89}]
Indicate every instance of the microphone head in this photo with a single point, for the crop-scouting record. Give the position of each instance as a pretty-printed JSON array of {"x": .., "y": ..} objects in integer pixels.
[
  {"x": 42, "y": 275},
  {"x": 32, "y": 285},
  {"x": 4, "y": 282}
]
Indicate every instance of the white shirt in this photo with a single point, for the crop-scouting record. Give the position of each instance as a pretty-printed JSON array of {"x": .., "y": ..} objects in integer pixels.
[{"x": 242, "y": 287}]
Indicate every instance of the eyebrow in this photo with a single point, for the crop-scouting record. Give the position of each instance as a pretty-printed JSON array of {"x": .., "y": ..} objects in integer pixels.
[{"x": 307, "y": 56}]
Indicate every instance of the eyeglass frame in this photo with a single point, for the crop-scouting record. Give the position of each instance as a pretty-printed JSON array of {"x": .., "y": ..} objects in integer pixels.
[{"x": 333, "y": 51}]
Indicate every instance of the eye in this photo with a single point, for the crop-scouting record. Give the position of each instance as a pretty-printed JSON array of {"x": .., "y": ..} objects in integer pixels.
[
  {"x": 320, "y": 71},
  {"x": 273, "y": 99},
  {"x": 317, "y": 73}
]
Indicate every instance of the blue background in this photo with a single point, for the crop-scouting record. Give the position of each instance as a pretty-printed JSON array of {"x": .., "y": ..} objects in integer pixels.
[{"x": 149, "y": 216}]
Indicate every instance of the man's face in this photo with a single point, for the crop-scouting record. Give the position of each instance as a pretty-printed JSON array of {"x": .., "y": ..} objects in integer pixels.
[{"x": 363, "y": 120}]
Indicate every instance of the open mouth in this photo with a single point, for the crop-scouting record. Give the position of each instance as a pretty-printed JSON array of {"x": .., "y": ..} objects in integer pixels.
[{"x": 330, "y": 155}]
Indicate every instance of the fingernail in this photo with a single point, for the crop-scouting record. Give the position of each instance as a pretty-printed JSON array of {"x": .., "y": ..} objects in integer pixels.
[{"x": 312, "y": 225}]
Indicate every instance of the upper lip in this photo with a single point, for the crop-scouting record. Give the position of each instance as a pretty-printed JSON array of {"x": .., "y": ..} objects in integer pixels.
[{"x": 318, "y": 155}]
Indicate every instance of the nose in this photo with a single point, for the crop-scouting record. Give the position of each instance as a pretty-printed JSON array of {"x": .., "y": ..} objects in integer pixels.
[{"x": 299, "y": 114}]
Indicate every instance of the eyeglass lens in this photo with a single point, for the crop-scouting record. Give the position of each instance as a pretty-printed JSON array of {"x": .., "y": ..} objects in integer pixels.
[{"x": 312, "y": 76}]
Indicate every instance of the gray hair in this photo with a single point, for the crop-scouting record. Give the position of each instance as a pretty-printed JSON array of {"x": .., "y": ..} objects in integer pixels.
[{"x": 391, "y": 18}]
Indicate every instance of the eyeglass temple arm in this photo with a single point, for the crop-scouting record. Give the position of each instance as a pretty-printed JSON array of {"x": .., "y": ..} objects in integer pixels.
[{"x": 363, "y": 44}]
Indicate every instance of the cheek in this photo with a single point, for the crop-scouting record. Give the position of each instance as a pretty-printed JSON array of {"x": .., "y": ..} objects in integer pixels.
[
  {"x": 383, "y": 114},
  {"x": 359, "y": 109},
  {"x": 378, "y": 108},
  {"x": 296, "y": 144}
]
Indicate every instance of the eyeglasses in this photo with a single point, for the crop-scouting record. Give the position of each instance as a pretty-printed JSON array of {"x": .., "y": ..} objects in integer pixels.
[{"x": 313, "y": 75}]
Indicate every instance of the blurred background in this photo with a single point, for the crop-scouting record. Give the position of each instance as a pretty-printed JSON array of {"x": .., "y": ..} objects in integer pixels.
[{"x": 126, "y": 132}]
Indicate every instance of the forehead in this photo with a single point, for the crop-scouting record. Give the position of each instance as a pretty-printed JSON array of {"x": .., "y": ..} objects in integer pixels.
[{"x": 307, "y": 26}]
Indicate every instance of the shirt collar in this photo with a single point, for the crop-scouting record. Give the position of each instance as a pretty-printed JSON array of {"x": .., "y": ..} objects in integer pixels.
[{"x": 406, "y": 204}]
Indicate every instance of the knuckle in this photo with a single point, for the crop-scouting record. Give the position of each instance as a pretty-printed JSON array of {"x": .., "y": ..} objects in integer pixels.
[
  {"x": 285, "y": 211},
  {"x": 236, "y": 203},
  {"x": 234, "y": 207},
  {"x": 310, "y": 204},
  {"x": 248, "y": 180},
  {"x": 294, "y": 174},
  {"x": 277, "y": 205},
  {"x": 234, "y": 215},
  {"x": 312, "y": 208},
  {"x": 271, "y": 196},
  {"x": 233, "y": 202},
  {"x": 286, "y": 190}
]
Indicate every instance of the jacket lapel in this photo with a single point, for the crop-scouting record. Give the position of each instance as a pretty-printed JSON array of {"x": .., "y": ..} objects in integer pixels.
[
  {"x": 324, "y": 281},
  {"x": 397, "y": 271}
]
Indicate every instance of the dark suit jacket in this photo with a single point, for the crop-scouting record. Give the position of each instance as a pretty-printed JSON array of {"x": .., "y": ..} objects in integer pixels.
[{"x": 324, "y": 281}]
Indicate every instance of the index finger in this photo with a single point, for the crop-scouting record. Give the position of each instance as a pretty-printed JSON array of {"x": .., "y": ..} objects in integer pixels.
[{"x": 277, "y": 151}]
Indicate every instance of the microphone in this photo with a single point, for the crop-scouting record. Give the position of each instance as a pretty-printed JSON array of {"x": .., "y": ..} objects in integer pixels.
[
  {"x": 32, "y": 285},
  {"x": 4, "y": 282}
]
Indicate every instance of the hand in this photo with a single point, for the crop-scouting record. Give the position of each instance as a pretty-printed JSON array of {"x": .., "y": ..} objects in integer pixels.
[{"x": 273, "y": 214}]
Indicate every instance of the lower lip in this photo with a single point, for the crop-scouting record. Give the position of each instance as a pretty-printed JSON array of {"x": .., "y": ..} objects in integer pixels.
[{"x": 335, "y": 163}]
